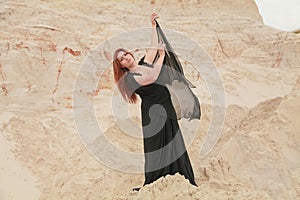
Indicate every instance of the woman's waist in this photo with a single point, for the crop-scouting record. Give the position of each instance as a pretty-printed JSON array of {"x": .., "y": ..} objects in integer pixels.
[
  {"x": 156, "y": 99},
  {"x": 158, "y": 108}
]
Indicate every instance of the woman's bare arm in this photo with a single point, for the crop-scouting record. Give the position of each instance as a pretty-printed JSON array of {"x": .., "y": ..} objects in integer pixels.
[
  {"x": 149, "y": 75},
  {"x": 152, "y": 51}
]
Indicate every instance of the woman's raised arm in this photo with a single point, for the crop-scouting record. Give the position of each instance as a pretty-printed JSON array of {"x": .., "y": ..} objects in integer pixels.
[
  {"x": 152, "y": 51},
  {"x": 151, "y": 74}
]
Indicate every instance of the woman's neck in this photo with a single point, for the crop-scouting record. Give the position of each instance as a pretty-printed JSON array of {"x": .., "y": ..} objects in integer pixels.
[{"x": 134, "y": 67}]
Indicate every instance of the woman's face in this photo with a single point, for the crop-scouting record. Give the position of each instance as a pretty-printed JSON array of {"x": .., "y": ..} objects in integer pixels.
[{"x": 125, "y": 59}]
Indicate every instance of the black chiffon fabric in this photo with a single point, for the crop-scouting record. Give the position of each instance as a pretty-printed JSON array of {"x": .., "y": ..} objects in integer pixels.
[{"x": 172, "y": 75}]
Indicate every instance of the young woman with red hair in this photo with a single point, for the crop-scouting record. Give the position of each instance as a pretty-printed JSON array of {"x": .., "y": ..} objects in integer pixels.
[{"x": 164, "y": 148}]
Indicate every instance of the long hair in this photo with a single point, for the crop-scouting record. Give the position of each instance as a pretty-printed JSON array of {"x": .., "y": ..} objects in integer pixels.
[{"x": 119, "y": 73}]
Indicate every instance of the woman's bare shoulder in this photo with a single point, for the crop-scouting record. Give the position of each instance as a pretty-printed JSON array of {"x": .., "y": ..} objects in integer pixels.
[{"x": 143, "y": 62}]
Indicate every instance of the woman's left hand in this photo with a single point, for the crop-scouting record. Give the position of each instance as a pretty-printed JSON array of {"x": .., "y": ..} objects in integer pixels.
[{"x": 153, "y": 17}]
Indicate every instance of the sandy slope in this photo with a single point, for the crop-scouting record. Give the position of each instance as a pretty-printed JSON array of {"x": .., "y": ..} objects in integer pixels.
[{"x": 44, "y": 45}]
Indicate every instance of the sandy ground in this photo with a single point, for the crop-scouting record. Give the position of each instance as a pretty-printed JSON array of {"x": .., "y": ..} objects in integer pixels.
[{"x": 58, "y": 96}]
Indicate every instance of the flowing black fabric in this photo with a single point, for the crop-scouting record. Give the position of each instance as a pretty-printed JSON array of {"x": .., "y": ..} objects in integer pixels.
[{"x": 184, "y": 100}]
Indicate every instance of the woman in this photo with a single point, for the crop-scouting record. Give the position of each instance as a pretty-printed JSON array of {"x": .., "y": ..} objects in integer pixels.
[{"x": 164, "y": 148}]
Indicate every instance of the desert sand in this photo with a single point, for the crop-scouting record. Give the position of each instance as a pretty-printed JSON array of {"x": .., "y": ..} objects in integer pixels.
[{"x": 45, "y": 154}]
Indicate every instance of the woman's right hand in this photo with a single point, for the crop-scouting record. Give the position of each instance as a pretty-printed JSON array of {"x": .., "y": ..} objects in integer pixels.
[
  {"x": 161, "y": 49},
  {"x": 153, "y": 17}
]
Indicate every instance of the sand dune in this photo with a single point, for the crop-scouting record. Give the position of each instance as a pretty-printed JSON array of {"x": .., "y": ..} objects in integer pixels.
[{"x": 45, "y": 47}]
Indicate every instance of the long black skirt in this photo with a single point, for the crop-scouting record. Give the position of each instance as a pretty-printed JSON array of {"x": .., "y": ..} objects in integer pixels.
[{"x": 165, "y": 151}]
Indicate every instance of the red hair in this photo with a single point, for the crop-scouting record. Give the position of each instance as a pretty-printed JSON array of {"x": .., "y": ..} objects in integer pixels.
[{"x": 119, "y": 73}]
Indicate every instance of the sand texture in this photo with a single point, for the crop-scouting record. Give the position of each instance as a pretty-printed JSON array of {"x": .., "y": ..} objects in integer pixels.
[{"x": 44, "y": 49}]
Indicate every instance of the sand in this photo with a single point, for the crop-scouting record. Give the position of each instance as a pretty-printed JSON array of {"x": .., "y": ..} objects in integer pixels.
[{"x": 51, "y": 146}]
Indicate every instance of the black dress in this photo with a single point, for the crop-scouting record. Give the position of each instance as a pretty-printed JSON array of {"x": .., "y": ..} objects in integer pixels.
[{"x": 164, "y": 148}]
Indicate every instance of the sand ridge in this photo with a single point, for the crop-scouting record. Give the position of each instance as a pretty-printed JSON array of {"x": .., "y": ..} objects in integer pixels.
[{"x": 43, "y": 46}]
